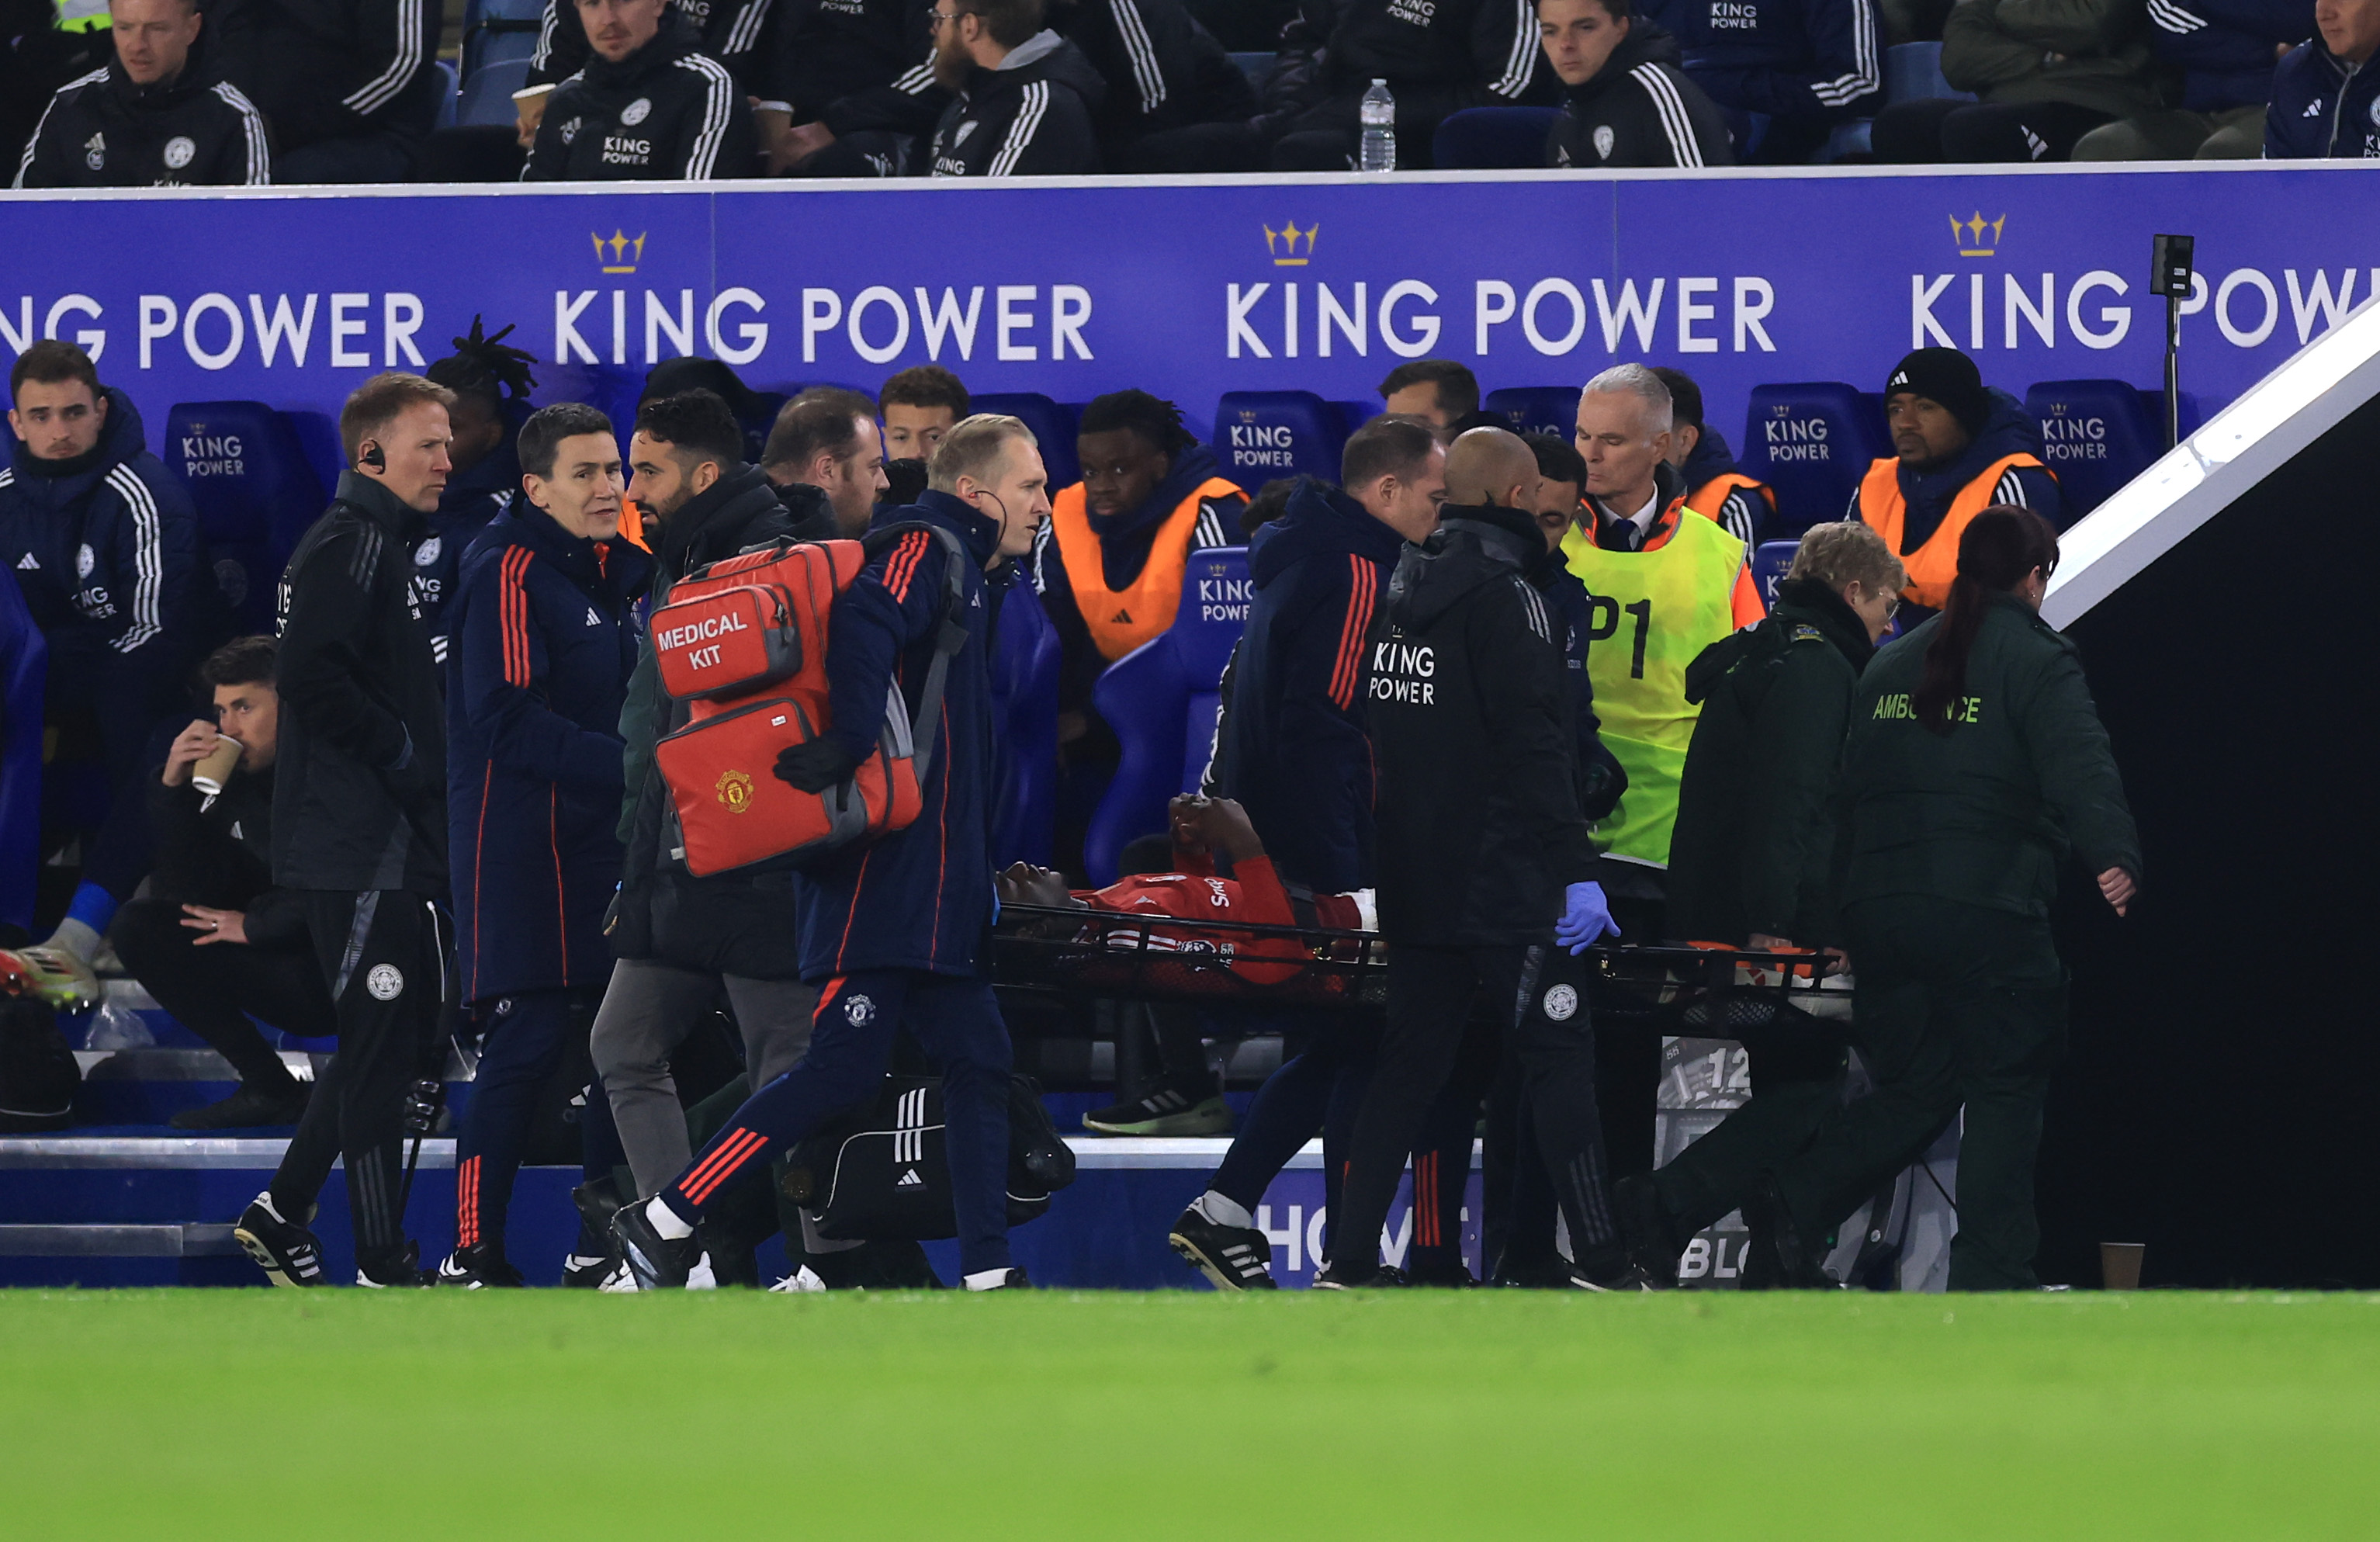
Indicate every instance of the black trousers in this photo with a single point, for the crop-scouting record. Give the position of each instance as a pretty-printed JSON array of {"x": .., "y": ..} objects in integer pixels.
[
  {"x": 1794, "y": 1088},
  {"x": 1431, "y": 993},
  {"x": 383, "y": 955},
  {"x": 213, "y": 991},
  {"x": 1958, "y": 1005},
  {"x": 1934, "y": 132}
]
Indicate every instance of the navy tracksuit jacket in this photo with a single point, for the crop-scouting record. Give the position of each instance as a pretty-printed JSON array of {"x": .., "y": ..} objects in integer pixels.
[
  {"x": 1788, "y": 58},
  {"x": 2225, "y": 48},
  {"x": 2322, "y": 107},
  {"x": 1295, "y": 753},
  {"x": 542, "y": 638},
  {"x": 920, "y": 898}
]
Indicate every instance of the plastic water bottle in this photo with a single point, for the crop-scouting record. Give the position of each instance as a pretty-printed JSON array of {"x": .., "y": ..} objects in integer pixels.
[
  {"x": 114, "y": 1026},
  {"x": 1379, "y": 153}
]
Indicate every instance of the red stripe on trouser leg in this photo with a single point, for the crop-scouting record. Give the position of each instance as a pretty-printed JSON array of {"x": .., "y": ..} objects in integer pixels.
[
  {"x": 1426, "y": 1201},
  {"x": 467, "y": 1217},
  {"x": 711, "y": 1163},
  {"x": 737, "y": 1153}
]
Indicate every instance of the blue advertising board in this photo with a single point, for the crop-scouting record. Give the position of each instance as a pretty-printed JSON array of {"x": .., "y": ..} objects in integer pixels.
[{"x": 1192, "y": 287}]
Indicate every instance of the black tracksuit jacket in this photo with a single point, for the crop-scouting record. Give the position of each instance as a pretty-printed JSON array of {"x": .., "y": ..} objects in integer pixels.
[
  {"x": 105, "y": 131},
  {"x": 216, "y": 850},
  {"x": 1162, "y": 69},
  {"x": 668, "y": 110},
  {"x": 1031, "y": 118},
  {"x": 1640, "y": 110},
  {"x": 359, "y": 785},
  {"x": 1472, "y": 719},
  {"x": 332, "y": 69},
  {"x": 1754, "y": 843}
]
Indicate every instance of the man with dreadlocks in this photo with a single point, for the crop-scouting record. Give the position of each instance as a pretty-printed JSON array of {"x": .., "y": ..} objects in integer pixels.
[{"x": 491, "y": 383}]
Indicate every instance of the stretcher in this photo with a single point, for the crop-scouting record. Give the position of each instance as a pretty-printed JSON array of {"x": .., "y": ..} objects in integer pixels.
[{"x": 1698, "y": 991}]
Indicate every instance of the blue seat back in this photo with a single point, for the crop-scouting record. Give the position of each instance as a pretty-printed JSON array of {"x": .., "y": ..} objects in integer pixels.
[
  {"x": 1258, "y": 68},
  {"x": 487, "y": 99},
  {"x": 1025, "y": 658},
  {"x": 1770, "y": 562},
  {"x": 2097, "y": 435},
  {"x": 1052, "y": 424},
  {"x": 499, "y": 30},
  {"x": 24, "y": 660},
  {"x": 1537, "y": 409},
  {"x": 448, "y": 84},
  {"x": 1811, "y": 441},
  {"x": 1160, "y": 700},
  {"x": 1263, "y": 434},
  {"x": 254, "y": 491},
  {"x": 1913, "y": 72},
  {"x": 1493, "y": 139}
]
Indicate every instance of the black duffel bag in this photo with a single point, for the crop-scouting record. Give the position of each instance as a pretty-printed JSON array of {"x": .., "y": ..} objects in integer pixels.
[
  {"x": 38, "y": 1074},
  {"x": 882, "y": 1171}
]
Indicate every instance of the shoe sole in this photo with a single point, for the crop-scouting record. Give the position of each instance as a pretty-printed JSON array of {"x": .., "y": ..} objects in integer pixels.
[
  {"x": 262, "y": 1257},
  {"x": 1174, "y": 1124},
  {"x": 1196, "y": 1256}
]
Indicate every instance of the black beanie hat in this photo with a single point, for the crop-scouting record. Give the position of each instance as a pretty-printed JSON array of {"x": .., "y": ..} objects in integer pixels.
[{"x": 1946, "y": 376}]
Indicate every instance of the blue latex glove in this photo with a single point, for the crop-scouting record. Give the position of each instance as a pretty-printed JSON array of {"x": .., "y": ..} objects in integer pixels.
[{"x": 1586, "y": 917}]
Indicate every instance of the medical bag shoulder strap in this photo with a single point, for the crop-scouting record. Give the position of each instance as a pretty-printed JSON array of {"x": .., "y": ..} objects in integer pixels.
[{"x": 949, "y": 638}]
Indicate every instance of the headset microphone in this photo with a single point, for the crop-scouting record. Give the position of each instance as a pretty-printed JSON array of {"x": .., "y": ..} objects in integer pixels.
[{"x": 373, "y": 456}]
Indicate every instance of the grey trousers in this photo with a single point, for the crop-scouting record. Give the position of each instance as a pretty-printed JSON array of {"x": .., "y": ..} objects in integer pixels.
[{"x": 645, "y": 1013}]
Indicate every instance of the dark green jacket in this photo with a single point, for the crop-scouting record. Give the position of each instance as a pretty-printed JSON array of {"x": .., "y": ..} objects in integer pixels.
[
  {"x": 1985, "y": 813},
  {"x": 1754, "y": 847}
]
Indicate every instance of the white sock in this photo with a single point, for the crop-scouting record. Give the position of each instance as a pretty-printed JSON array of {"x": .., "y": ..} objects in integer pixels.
[
  {"x": 74, "y": 937},
  {"x": 665, "y": 1219},
  {"x": 1223, "y": 1211},
  {"x": 987, "y": 1279}
]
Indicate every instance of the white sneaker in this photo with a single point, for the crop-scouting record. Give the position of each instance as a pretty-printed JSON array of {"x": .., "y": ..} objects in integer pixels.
[
  {"x": 802, "y": 1281},
  {"x": 619, "y": 1281},
  {"x": 701, "y": 1278}
]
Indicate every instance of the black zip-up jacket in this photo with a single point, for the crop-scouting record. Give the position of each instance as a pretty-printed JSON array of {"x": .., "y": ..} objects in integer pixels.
[
  {"x": 1985, "y": 813},
  {"x": 726, "y": 924},
  {"x": 1640, "y": 110},
  {"x": 360, "y": 787},
  {"x": 1755, "y": 842},
  {"x": 738, "y": 33},
  {"x": 216, "y": 850},
  {"x": 1601, "y": 778},
  {"x": 1472, "y": 719},
  {"x": 668, "y": 110},
  {"x": 1029, "y": 118},
  {"x": 825, "y": 52},
  {"x": 1342, "y": 46},
  {"x": 333, "y": 69},
  {"x": 1162, "y": 69},
  {"x": 106, "y": 132}
]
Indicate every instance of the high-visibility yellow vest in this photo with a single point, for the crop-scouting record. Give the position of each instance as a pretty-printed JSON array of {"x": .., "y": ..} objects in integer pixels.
[
  {"x": 82, "y": 16},
  {"x": 1654, "y": 611}
]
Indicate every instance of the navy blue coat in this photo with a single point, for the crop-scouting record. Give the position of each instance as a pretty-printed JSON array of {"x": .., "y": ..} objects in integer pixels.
[
  {"x": 106, "y": 554},
  {"x": 543, "y": 639},
  {"x": 471, "y": 499},
  {"x": 922, "y": 897},
  {"x": 2010, "y": 429},
  {"x": 1294, "y": 751},
  {"x": 2226, "y": 47},
  {"x": 2321, "y": 110},
  {"x": 1788, "y": 58}
]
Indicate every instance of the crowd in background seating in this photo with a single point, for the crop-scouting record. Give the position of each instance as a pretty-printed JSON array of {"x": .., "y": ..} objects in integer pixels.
[{"x": 171, "y": 92}]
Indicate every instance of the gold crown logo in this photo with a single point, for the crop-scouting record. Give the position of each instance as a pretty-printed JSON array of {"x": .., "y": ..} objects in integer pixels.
[
  {"x": 1968, "y": 234},
  {"x": 1281, "y": 244},
  {"x": 618, "y": 253}
]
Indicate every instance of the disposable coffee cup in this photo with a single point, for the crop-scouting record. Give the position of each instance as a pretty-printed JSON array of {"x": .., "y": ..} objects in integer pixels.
[
  {"x": 2119, "y": 1265},
  {"x": 209, "y": 775}
]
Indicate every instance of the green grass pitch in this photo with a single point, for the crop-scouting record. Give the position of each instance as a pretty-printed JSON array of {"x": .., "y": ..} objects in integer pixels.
[{"x": 1063, "y": 1415}]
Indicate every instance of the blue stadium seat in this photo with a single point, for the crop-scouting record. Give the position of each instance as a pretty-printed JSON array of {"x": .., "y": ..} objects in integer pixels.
[
  {"x": 2096, "y": 434},
  {"x": 1162, "y": 700},
  {"x": 1769, "y": 564},
  {"x": 1493, "y": 139},
  {"x": 495, "y": 31},
  {"x": 487, "y": 99},
  {"x": 1913, "y": 72},
  {"x": 1538, "y": 408},
  {"x": 1263, "y": 434},
  {"x": 254, "y": 491},
  {"x": 1812, "y": 442},
  {"x": 1051, "y": 423},
  {"x": 447, "y": 86},
  {"x": 1256, "y": 67},
  {"x": 1355, "y": 415},
  {"x": 1024, "y": 747},
  {"x": 24, "y": 656}
]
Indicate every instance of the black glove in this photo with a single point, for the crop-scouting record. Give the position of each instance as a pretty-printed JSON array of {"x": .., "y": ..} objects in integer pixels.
[{"x": 814, "y": 767}]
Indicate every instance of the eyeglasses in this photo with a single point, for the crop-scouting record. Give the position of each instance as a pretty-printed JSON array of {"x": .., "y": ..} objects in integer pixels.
[{"x": 938, "y": 18}]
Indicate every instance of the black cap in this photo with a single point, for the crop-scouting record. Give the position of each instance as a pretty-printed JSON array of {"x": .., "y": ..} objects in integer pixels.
[{"x": 1946, "y": 376}]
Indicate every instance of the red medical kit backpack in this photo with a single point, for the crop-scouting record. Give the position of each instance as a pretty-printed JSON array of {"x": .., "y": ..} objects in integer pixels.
[{"x": 743, "y": 642}]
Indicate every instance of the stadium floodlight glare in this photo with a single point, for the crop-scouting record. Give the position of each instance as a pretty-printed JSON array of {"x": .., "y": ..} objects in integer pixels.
[{"x": 2309, "y": 395}]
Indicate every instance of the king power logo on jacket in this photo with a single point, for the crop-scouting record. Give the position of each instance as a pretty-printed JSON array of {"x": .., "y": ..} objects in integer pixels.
[{"x": 1405, "y": 672}]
